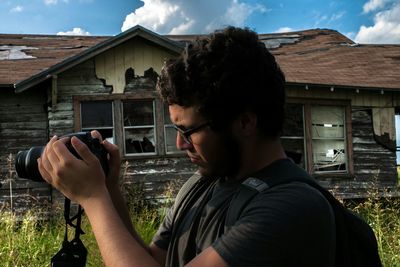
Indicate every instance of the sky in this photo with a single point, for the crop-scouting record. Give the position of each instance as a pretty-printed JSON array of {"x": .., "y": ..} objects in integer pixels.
[{"x": 363, "y": 21}]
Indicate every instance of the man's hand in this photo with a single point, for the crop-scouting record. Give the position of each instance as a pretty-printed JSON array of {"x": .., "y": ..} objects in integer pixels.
[
  {"x": 114, "y": 160},
  {"x": 77, "y": 179}
]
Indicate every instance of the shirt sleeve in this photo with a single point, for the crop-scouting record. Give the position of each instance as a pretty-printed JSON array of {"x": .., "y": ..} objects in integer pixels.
[{"x": 290, "y": 225}]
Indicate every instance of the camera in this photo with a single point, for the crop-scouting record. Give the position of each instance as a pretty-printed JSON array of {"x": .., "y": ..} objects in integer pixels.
[{"x": 26, "y": 161}]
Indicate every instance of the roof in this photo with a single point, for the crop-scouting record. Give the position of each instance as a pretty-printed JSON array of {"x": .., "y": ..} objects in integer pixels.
[
  {"x": 23, "y": 56},
  {"x": 328, "y": 58},
  {"x": 34, "y": 58},
  {"x": 313, "y": 57}
]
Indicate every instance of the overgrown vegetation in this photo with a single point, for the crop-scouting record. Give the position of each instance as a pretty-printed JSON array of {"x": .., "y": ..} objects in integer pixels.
[
  {"x": 26, "y": 241},
  {"x": 383, "y": 214}
]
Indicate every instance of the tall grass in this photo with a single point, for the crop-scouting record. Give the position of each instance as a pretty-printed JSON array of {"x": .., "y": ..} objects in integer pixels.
[
  {"x": 27, "y": 241},
  {"x": 383, "y": 214}
]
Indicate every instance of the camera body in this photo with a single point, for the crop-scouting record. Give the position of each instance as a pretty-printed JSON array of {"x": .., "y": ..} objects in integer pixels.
[{"x": 26, "y": 161}]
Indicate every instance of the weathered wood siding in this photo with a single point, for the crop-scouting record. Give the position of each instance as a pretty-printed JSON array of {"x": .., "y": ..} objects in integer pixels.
[
  {"x": 23, "y": 124},
  {"x": 138, "y": 54},
  {"x": 374, "y": 164},
  {"x": 80, "y": 80},
  {"x": 372, "y": 115}
]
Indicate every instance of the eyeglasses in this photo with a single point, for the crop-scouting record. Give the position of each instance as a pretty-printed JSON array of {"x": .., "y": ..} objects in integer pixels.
[{"x": 185, "y": 134}]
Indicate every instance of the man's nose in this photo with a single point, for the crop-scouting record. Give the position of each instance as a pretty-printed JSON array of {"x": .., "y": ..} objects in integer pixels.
[{"x": 181, "y": 144}]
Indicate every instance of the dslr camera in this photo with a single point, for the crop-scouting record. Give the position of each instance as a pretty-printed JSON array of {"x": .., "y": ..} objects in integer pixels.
[{"x": 26, "y": 161}]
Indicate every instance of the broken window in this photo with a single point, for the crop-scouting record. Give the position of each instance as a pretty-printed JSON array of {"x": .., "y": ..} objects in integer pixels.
[
  {"x": 314, "y": 135},
  {"x": 139, "y": 126},
  {"x": 328, "y": 139},
  {"x": 98, "y": 115}
]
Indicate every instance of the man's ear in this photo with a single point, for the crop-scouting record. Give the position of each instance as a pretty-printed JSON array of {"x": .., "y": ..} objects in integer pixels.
[{"x": 246, "y": 123}]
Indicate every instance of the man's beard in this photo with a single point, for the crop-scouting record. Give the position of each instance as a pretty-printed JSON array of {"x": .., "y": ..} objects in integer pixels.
[{"x": 230, "y": 158}]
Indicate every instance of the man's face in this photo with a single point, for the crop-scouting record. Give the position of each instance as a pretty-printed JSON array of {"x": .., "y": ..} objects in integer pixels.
[{"x": 215, "y": 154}]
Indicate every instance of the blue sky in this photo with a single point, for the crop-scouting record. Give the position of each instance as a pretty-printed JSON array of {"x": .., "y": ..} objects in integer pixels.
[{"x": 364, "y": 21}]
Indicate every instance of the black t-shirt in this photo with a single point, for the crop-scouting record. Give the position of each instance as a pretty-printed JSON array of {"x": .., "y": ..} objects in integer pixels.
[{"x": 288, "y": 225}]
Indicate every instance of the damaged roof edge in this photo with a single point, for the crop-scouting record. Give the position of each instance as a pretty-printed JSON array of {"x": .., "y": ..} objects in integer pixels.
[
  {"x": 94, "y": 51},
  {"x": 342, "y": 86}
]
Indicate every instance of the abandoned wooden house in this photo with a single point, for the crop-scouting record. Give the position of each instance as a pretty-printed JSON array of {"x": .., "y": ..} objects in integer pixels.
[{"x": 342, "y": 101}]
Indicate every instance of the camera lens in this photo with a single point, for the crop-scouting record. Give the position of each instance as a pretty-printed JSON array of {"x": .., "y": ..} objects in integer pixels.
[{"x": 26, "y": 163}]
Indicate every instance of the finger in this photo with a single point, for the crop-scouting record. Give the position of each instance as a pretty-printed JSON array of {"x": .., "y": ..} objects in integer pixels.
[
  {"x": 65, "y": 140},
  {"x": 61, "y": 151},
  {"x": 96, "y": 134},
  {"x": 113, "y": 151},
  {"x": 46, "y": 164},
  {"x": 83, "y": 151},
  {"x": 43, "y": 172},
  {"x": 49, "y": 162}
]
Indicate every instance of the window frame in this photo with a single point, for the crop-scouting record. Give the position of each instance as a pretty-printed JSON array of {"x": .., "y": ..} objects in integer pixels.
[
  {"x": 307, "y": 103},
  {"x": 117, "y": 101}
]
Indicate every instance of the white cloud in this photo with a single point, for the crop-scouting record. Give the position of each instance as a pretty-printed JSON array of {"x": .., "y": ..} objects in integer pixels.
[
  {"x": 386, "y": 28},
  {"x": 17, "y": 9},
  {"x": 75, "y": 31},
  {"x": 337, "y": 16},
  {"x": 373, "y": 5},
  {"x": 53, "y": 2},
  {"x": 50, "y": 2},
  {"x": 284, "y": 29},
  {"x": 182, "y": 17}
]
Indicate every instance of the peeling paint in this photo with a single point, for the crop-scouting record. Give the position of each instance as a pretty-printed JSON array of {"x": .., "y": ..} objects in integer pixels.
[{"x": 13, "y": 52}]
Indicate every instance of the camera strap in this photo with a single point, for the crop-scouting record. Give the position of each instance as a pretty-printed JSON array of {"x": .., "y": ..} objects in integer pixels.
[{"x": 72, "y": 253}]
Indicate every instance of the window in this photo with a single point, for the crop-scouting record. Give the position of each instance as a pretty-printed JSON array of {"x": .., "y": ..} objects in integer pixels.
[
  {"x": 328, "y": 139},
  {"x": 315, "y": 135},
  {"x": 98, "y": 115},
  {"x": 133, "y": 122},
  {"x": 139, "y": 126}
]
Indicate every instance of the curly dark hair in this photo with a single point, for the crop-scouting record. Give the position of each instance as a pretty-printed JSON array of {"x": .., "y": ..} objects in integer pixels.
[{"x": 225, "y": 74}]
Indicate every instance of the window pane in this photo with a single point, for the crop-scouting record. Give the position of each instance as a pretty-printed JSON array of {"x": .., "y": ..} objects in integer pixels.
[
  {"x": 167, "y": 119},
  {"x": 327, "y": 122},
  {"x": 96, "y": 114},
  {"x": 138, "y": 113},
  {"x": 329, "y": 156},
  {"x": 139, "y": 140},
  {"x": 170, "y": 139},
  {"x": 139, "y": 126},
  {"x": 169, "y": 133},
  {"x": 294, "y": 149},
  {"x": 328, "y": 139},
  {"x": 293, "y": 125},
  {"x": 293, "y": 133}
]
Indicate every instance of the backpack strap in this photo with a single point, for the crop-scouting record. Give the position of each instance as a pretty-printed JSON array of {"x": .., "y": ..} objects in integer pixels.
[
  {"x": 185, "y": 189},
  {"x": 248, "y": 190},
  {"x": 254, "y": 185}
]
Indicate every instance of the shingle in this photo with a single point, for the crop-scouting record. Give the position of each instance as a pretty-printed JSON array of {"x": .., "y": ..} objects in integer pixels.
[{"x": 318, "y": 56}]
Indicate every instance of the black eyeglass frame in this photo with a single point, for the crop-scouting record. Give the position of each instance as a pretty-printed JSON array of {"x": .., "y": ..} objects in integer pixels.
[{"x": 185, "y": 134}]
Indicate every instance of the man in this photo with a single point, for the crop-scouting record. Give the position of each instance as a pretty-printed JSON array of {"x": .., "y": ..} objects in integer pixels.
[{"x": 226, "y": 99}]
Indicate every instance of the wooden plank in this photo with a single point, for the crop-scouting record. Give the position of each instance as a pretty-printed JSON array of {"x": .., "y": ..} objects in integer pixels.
[
  {"x": 119, "y": 71},
  {"x": 110, "y": 68}
]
